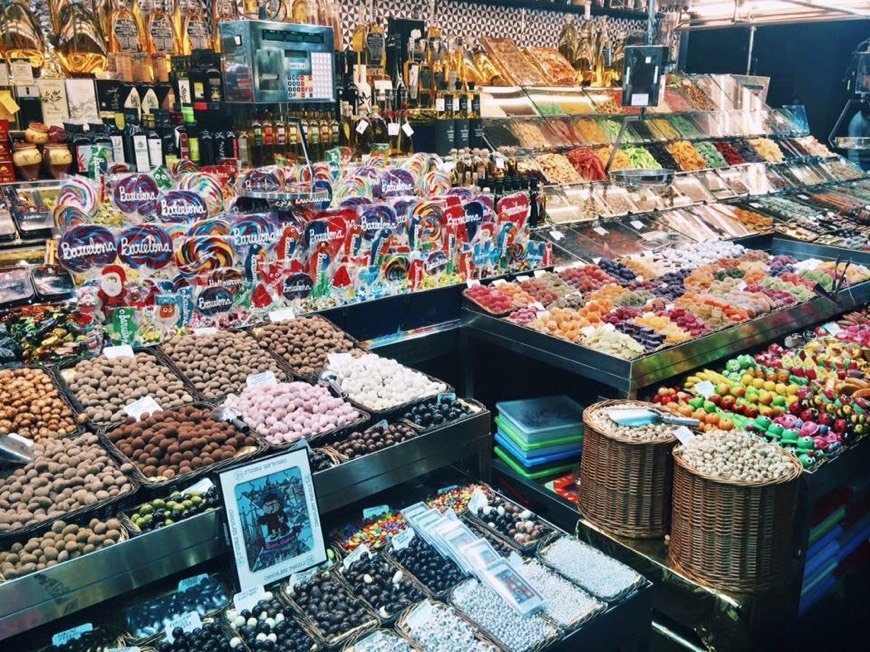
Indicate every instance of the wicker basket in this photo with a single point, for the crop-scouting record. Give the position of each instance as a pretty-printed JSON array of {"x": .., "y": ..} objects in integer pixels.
[
  {"x": 729, "y": 535},
  {"x": 625, "y": 484}
]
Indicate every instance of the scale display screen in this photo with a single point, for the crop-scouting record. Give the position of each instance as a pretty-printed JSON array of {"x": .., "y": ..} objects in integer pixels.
[{"x": 286, "y": 36}]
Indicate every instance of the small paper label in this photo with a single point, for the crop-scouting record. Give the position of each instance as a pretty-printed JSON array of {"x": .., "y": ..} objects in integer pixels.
[
  {"x": 755, "y": 204},
  {"x": 420, "y": 616},
  {"x": 374, "y": 512},
  {"x": 833, "y": 328},
  {"x": 135, "y": 648},
  {"x": 439, "y": 104},
  {"x": 705, "y": 389},
  {"x": 499, "y": 281},
  {"x": 361, "y": 127},
  {"x": 741, "y": 285},
  {"x": 249, "y": 597},
  {"x": 556, "y": 235},
  {"x": 520, "y": 279},
  {"x": 540, "y": 273},
  {"x": 358, "y": 553},
  {"x": 189, "y": 582},
  {"x": 408, "y": 129},
  {"x": 515, "y": 560},
  {"x": 64, "y": 637},
  {"x": 477, "y": 501},
  {"x": 205, "y": 330},
  {"x": 499, "y": 163},
  {"x": 587, "y": 331},
  {"x": 393, "y": 129},
  {"x": 122, "y": 351},
  {"x": 264, "y": 378},
  {"x": 600, "y": 230},
  {"x": 472, "y": 283},
  {"x": 139, "y": 407},
  {"x": 684, "y": 434},
  {"x": 637, "y": 224},
  {"x": 338, "y": 358},
  {"x": 284, "y": 314},
  {"x": 403, "y": 539},
  {"x": 22, "y": 72},
  {"x": 187, "y": 622}
]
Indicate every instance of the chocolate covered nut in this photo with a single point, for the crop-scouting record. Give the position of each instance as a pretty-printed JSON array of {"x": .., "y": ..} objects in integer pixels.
[
  {"x": 373, "y": 439},
  {"x": 105, "y": 386},
  {"x": 425, "y": 563},
  {"x": 329, "y": 606},
  {"x": 305, "y": 343},
  {"x": 31, "y": 406},
  {"x": 219, "y": 364},
  {"x": 65, "y": 475},
  {"x": 64, "y": 541},
  {"x": 173, "y": 443},
  {"x": 269, "y": 626},
  {"x": 513, "y": 522},
  {"x": 382, "y": 585}
]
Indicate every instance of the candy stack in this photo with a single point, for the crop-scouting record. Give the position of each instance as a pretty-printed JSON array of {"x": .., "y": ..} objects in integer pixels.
[{"x": 539, "y": 437}]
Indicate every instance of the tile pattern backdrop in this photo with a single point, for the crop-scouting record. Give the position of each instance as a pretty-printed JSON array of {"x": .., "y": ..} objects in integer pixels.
[{"x": 468, "y": 19}]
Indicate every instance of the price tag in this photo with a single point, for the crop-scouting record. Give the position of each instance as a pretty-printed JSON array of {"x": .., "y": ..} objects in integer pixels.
[
  {"x": 477, "y": 501},
  {"x": 705, "y": 389},
  {"x": 515, "y": 560},
  {"x": 122, "y": 649},
  {"x": 639, "y": 278},
  {"x": 374, "y": 512},
  {"x": 249, "y": 597},
  {"x": 472, "y": 283},
  {"x": 356, "y": 555},
  {"x": 637, "y": 224},
  {"x": 420, "y": 616},
  {"x": 409, "y": 131},
  {"x": 122, "y": 351},
  {"x": 540, "y": 273},
  {"x": 669, "y": 306},
  {"x": 206, "y": 330},
  {"x": 600, "y": 230},
  {"x": 403, "y": 539},
  {"x": 499, "y": 281},
  {"x": 189, "y": 582},
  {"x": 741, "y": 285},
  {"x": 499, "y": 163},
  {"x": 264, "y": 378},
  {"x": 64, "y": 637},
  {"x": 361, "y": 127},
  {"x": 596, "y": 260},
  {"x": 22, "y": 72},
  {"x": 556, "y": 235},
  {"x": 139, "y": 407},
  {"x": 187, "y": 622},
  {"x": 537, "y": 306},
  {"x": 439, "y": 103},
  {"x": 684, "y": 434},
  {"x": 284, "y": 314},
  {"x": 393, "y": 129},
  {"x": 833, "y": 328},
  {"x": 587, "y": 331},
  {"x": 338, "y": 358},
  {"x": 520, "y": 279},
  {"x": 755, "y": 205}
]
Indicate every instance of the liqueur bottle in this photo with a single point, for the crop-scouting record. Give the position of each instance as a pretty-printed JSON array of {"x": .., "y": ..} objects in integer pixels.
[
  {"x": 159, "y": 37},
  {"x": 125, "y": 40},
  {"x": 222, "y": 11},
  {"x": 191, "y": 27},
  {"x": 20, "y": 35},
  {"x": 81, "y": 47}
]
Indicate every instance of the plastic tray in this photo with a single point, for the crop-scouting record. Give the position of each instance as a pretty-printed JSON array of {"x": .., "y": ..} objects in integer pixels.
[
  {"x": 508, "y": 430},
  {"x": 538, "y": 459},
  {"x": 546, "y": 418}
]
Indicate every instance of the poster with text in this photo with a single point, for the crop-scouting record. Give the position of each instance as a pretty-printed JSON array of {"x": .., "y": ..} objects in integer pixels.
[{"x": 272, "y": 517}]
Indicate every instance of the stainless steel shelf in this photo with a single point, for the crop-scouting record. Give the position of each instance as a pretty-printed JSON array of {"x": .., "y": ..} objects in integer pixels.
[
  {"x": 36, "y": 599},
  {"x": 628, "y": 376}
]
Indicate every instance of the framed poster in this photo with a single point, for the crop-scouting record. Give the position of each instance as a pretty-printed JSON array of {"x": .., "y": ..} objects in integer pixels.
[{"x": 272, "y": 517}]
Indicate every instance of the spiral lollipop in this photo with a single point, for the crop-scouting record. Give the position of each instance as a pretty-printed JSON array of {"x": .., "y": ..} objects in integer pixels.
[
  {"x": 183, "y": 166},
  {"x": 355, "y": 186},
  {"x": 375, "y": 218},
  {"x": 207, "y": 187},
  {"x": 85, "y": 246},
  {"x": 258, "y": 229},
  {"x": 145, "y": 245},
  {"x": 322, "y": 171},
  {"x": 415, "y": 164},
  {"x": 427, "y": 220},
  {"x": 79, "y": 192},
  {"x": 464, "y": 194},
  {"x": 175, "y": 231},
  {"x": 68, "y": 216},
  {"x": 202, "y": 253},
  {"x": 352, "y": 202},
  {"x": 216, "y": 227},
  {"x": 434, "y": 183}
]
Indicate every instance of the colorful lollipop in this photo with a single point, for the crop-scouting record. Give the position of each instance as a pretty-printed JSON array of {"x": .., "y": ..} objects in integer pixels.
[
  {"x": 435, "y": 183},
  {"x": 79, "y": 192},
  {"x": 207, "y": 187},
  {"x": 202, "y": 253},
  {"x": 85, "y": 246},
  {"x": 145, "y": 245},
  {"x": 135, "y": 194}
]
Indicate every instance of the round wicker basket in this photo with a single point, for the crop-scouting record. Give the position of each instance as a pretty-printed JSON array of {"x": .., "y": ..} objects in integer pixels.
[
  {"x": 625, "y": 483},
  {"x": 731, "y": 535}
]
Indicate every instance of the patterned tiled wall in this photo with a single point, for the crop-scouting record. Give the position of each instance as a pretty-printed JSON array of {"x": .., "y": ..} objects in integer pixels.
[{"x": 468, "y": 19}]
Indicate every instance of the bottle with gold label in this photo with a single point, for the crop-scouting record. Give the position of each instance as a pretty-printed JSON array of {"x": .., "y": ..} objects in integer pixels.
[
  {"x": 124, "y": 35},
  {"x": 20, "y": 35},
  {"x": 375, "y": 46},
  {"x": 191, "y": 27},
  {"x": 81, "y": 47},
  {"x": 159, "y": 36},
  {"x": 222, "y": 11},
  {"x": 304, "y": 12},
  {"x": 358, "y": 40}
]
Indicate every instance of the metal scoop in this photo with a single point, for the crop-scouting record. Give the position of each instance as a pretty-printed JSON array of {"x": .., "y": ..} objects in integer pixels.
[
  {"x": 637, "y": 417},
  {"x": 16, "y": 449}
]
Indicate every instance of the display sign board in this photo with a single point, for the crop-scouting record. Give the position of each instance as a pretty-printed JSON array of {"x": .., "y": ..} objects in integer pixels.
[
  {"x": 642, "y": 78},
  {"x": 272, "y": 516}
]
